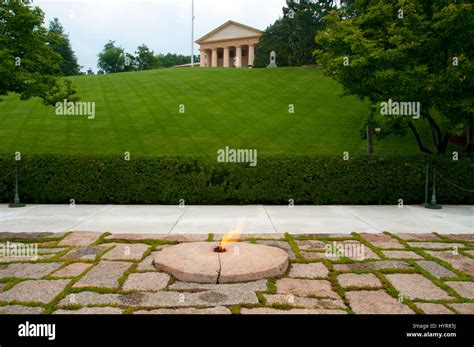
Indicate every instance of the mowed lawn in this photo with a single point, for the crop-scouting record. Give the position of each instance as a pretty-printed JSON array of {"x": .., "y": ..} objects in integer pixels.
[{"x": 240, "y": 108}]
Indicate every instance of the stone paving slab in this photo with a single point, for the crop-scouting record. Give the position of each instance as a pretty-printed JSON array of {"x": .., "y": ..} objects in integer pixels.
[
  {"x": 29, "y": 235},
  {"x": 401, "y": 255},
  {"x": 91, "y": 311},
  {"x": 104, "y": 275},
  {"x": 319, "y": 288},
  {"x": 465, "y": 289},
  {"x": 297, "y": 301},
  {"x": 435, "y": 269},
  {"x": 463, "y": 237},
  {"x": 430, "y": 308},
  {"x": 297, "y": 311},
  {"x": 376, "y": 302},
  {"x": 435, "y": 245},
  {"x": 376, "y": 265},
  {"x": 318, "y": 256},
  {"x": 72, "y": 270},
  {"x": 415, "y": 286},
  {"x": 80, "y": 239},
  {"x": 21, "y": 310},
  {"x": 33, "y": 259},
  {"x": 126, "y": 252},
  {"x": 465, "y": 308},
  {"x": 162, "y": 299},
  {"x": 256, "y": 286},
  {"x": 219, "y": 310},
  {"x": 318, "y": 285},
  {"x": 86, "y": 252},
  {"x": 311, "y": 245},
  {"x": 417, "y": 237},
  {"x": 308, "y": 270},
  {"x": 148, "y": 282},
  {"x": 51, "y": 250},
  {"x": 458, "y": 261},
  {"x": 34, "y": 291},
  {"x": 354, "y": 251},
  {"x": 382, "y": 241},
  {"x": 359, "y": 281},
  {"x": 33, "y": 271}
]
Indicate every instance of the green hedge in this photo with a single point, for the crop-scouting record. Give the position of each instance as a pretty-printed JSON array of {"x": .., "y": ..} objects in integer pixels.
[{"x": 320, "y": 180}]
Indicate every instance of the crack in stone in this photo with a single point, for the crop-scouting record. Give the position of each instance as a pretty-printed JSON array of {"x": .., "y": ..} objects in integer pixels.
[{"x": 220, "y": 268}]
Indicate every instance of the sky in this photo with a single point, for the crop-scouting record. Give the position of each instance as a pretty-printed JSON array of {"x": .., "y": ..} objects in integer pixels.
[{"x": 163, "y": 25}]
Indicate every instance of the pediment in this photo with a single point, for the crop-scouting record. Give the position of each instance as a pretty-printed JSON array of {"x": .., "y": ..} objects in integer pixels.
[{"x": 230, "y": 31}]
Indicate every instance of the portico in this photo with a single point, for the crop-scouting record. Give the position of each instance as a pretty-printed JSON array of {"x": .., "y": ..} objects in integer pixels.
[{"x": 230, "y": 45}]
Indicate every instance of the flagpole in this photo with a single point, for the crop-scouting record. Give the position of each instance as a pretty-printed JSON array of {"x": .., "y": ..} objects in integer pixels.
[{"x": 192, "y": 35}]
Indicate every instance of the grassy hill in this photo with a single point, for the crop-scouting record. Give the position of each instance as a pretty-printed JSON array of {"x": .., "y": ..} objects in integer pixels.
[{"x": 244, "y": 108}]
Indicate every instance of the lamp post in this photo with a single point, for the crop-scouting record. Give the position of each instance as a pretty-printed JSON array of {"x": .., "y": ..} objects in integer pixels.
[
  {"x": 370, "y": 144},
  {"x": 434, "y": 205},
  {"x": 426, "y": 203},
  {"x": 16, "y": 202},
  {"x": 370, "y": 138}
]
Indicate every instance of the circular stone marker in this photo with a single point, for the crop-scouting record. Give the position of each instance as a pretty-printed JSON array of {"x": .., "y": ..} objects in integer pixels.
[{"x": 243, "y": 262}]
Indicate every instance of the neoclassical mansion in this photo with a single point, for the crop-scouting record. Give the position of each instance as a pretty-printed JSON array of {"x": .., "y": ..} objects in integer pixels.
[{"x": 230, "y": 45}]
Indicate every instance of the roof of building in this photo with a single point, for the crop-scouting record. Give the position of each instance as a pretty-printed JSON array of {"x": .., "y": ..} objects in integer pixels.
[{"x": 225, "y": 25}]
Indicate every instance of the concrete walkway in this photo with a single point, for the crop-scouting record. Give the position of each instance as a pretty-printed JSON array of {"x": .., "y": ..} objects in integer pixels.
[{"x": 222, "y": 219}]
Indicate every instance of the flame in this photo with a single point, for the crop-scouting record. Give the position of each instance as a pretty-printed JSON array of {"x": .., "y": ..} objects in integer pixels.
[{"x": 234, "y": 235}]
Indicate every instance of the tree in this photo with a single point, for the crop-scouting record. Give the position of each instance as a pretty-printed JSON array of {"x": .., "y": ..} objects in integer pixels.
[
  {"x": 69, "y": 65},
  {"x": 418, "y": 51},
  {"x": 292, "y": 36},
  {"x": 169, "y": 60},
  {"x": 146, "y": 59},
  {"x": 28, "y": 64},
  {"x": 130, "y": 63},
  {"x": 112, "y": 58}
]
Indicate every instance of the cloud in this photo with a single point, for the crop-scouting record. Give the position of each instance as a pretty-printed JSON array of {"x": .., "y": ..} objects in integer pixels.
[{"x": 164, "y": 25}]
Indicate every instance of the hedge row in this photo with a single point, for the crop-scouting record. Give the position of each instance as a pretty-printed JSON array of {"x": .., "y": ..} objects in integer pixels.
[{"x": 55, "y": 179}]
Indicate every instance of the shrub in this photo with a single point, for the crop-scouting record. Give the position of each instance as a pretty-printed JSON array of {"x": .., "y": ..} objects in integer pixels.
[{"x": 321, "y": 180}]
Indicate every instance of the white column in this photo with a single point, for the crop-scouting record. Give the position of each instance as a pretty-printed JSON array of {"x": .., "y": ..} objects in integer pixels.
[
  {"x": 238, "y": 55},
  {"x": 251, "y": 54},
  {"x": 208, "y": 58},
  {"x": 214, "y": 57},
  {"x": 203, "y": 58},
  {"x": 226, "y": 57}
]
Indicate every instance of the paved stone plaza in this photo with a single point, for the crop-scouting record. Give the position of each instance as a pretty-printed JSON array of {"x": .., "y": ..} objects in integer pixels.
[{"x": 359, "y": 273}]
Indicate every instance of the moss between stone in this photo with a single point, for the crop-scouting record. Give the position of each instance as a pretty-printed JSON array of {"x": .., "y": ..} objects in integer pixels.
[
  {"x": 261, "y": 298},
  {"x": 271, "y": 286},
  {"x": 468, "y": 255},
  {"x": 427, "y": 256},
  {"x": 235, "y": 309},
  {"x": 100, "y": 240},
  {"x": 284, "y": 307},
  {"x": 294, "y": 246}
]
